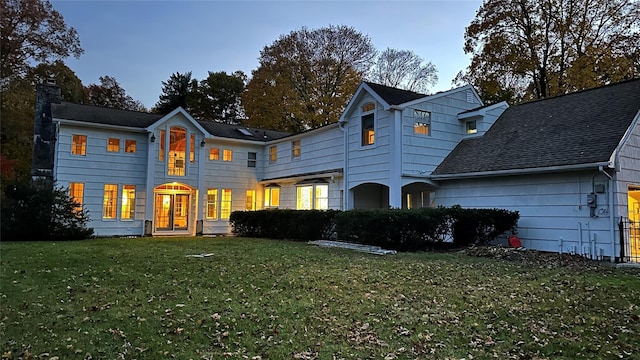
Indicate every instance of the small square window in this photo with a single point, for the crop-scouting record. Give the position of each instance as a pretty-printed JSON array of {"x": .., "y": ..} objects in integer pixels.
[
  {"x": 214, "y": 154},
  {"x": 421, "y": 128},
  {"x": 227, "y": 155},
  {"x": 79, "y": 144},
  {"x": 130, "y": 146},
  {"x": 471, "y": 127},
  {"x": 113, "y": 145}
]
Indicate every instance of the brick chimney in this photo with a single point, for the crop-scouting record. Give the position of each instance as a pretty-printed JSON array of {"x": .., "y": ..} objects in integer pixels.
[{"x": 44, "y": 131}]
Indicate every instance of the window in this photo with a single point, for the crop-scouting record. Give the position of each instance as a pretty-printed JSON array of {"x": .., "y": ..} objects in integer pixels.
[
  {"x": 110, "y": 201},
  {"x": 130, "y": 146},
  {"x": 227, "y": 155},
  {"x": 225, "y": 204},
  {"x": 314, "y": 196},
  {"x": 162, "y": 140},
  {"x": 76, "y": 193},
  {"x": 368, "y": 132},
  {"x": 252, "y": 159},
  {"x": 423, "y": 122},
  {"x": 113, "y": 145},
  {"x": 368, "y": 107},
  {"x": 295, "y": 148},
  {"x": 273, "y": 153},
  {"x": 471, "y": 127},
  {"x": 192, "y": 148},
  {"x": 128, "y": 202},
  {"x": 272, "y": 196},
  {"x": 250, "y": 204},
  {"x": 214, "y": 154},
  {"x": 177, "y": 151},
  {"x": 212, "y": 204},
  {"x": 79, "y": 144}
]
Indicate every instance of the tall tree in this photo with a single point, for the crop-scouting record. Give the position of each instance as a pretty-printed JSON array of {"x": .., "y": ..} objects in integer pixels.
[
  {"x": 404, "y": 69},
  {"x": 178, "y": 90},
  {"x": 308, "y": 76},
  {"x": 31, "y": 30},
  {"x": 71, "y": 87},
  {"x": 217, "y": 97},
  {"x": 529, "y": 49},
  {"x": 109, "y": 93}
]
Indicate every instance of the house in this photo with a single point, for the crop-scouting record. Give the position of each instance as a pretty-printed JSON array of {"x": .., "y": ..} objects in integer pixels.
[
  {"x": 146, "y": 174},
  {"x": 570, "y": 165}
]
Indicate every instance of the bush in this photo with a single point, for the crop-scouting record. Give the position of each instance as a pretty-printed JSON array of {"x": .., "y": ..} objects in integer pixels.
[
  {"x": 301, "y": 225},
  {"x": 41, "y": 211}
]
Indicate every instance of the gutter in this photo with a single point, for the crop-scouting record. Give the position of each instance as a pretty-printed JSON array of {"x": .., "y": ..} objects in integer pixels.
[
  {"x": 524, "y": 171},
  {"x": 98, "y": 125}
]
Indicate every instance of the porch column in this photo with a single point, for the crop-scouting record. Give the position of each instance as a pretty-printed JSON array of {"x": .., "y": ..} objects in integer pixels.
[{"x": 395, "y": 158}]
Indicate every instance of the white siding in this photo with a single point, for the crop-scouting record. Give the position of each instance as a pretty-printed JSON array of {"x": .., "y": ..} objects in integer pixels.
[{"x": 553, "y": 209}]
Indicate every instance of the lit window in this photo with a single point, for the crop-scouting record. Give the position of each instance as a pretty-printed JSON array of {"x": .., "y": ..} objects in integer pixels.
[
  {"x": 250, "y": 204},
  {"x": 312, "y": 197},
  {"x": 162, "y": 140},
  {"x": 368, "y": 132},
  {"x": 272, "y": 196},
  {"x": 110, "y": 201},
  {"x": 421, "y": 128},
  {"x": 79, "y": 144},
  {"x": 192, "y": 148},
  {"x": 214, "y": 154},
  {"x": 252, "y": 159},
  {"x": 212, "y": 204},
  {"x": 113, "y": 145},
  {"x": 177, "y": 151},
  {"x": 471, "y": 127},
  {"x": 295, "y": 148},
  {"x": 128, "y": 202},
  {"x": 227, "y": 155},
  {"x": 76, "y": 193},
  {"x": 273, "y": 153},
  {"x": 225, "y": 204},
  {"x": 130, "y": 146}
]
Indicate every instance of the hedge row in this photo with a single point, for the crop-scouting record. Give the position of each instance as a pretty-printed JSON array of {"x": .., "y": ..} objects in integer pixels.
[{"x": 402, "y": 230}]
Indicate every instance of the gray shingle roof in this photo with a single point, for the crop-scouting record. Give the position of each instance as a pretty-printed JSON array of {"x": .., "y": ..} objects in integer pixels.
[
  {"x": 579, "y": 128},
  {"x": 108, "y": 116},
  {"x": 394, "y": 96}
]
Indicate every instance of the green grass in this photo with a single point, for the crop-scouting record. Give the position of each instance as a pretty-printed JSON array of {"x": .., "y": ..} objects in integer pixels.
[{"x": 261, "y": 299}]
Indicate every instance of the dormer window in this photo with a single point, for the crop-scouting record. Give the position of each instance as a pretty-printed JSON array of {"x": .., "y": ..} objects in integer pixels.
[{"x": 471, "y": 127}]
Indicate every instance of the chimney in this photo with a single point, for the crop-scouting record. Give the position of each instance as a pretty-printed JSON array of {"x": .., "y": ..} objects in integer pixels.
[{"x": 44, "y": 132}]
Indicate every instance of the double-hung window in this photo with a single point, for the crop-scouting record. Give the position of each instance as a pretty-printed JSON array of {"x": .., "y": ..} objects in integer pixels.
[
  {"x": 271, "y": 196},
  {"x": 110, "y": 201},
  {"x": 367, "y": 124},
  {"x": 128, "y": 202},
  {"x": 312, "y": 196},
  {"x": 79, "y": 144}
]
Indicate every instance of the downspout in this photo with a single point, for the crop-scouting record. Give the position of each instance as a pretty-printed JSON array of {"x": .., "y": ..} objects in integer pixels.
[
  {"x": 345, "y": 169},
  {"x": 612, "y": 230}
]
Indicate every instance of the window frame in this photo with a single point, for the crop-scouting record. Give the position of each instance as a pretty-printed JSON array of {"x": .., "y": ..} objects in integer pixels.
[
  {"x": 252, "y": 159},
  {"x": 269, "y": 192},
  {"x": 226, "y": 203},
  {"x": 273, "y": 153},
  {"x": 113, "y": 145},
  {"x": 422, "y": 121},
  {"x": 128, "y": 144},
  {"x": 211, "y": 212},
  {"x": 227, "y": 155},
  {"x": 79, "y": 144},
  {"x": 250, "y": 202},
  {"x": 296, "y": 149},
  {"x": 76, "y": 193},
  {"x": 313, "y": 199},
  {"x": 214, "y": 154},
  {"x": 110, "y": 202},
  {"x": 177, "y": 164},
  {"x": 368, "y": 124},
  {"x": 128, "y": 205},
  {"x": 468, "y": 129}
]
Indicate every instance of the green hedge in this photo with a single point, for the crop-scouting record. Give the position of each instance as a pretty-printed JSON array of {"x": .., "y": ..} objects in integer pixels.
[{"x": 402, "y": 230}]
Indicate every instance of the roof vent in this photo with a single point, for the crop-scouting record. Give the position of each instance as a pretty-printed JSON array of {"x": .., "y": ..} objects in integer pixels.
[
  {"x": 470, "y": 98},
  {"x": 244, "y": 132}
]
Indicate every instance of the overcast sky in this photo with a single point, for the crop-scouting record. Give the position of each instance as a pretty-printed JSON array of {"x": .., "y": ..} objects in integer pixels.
[{"x": 141, "y": 43}]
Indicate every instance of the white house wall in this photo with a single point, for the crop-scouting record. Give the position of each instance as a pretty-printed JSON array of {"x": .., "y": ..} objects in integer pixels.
[
  {"x": 554, "y": 215},
  {"x": 628, "y": 169},
  {"x": 99, "y": 167}
]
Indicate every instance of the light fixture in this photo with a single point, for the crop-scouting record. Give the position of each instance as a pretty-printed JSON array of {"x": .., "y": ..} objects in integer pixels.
[
  {"x": 202, "y": 143},
  {"x": 153, "y": 138}
]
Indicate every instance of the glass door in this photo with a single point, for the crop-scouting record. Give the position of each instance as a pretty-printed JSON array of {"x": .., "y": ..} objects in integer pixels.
[{"x": 172, "y": 212}]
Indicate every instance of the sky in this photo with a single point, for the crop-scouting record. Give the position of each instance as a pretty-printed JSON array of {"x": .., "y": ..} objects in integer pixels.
[{"x": 141, "y": 43}]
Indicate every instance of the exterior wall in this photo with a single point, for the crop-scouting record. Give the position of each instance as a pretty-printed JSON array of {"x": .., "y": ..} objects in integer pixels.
[
  {"x": 554, "y": 215},
  {"x": 99, "y": 167},
  {"x": 628, "y": 169}
]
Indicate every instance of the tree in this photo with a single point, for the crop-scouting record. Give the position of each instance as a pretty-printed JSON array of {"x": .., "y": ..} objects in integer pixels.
[
  {"x": 71, "y": 87},
  {"x": 529, "y": 49},
  {"x": 404, "y": 69},
  {"x": 306, "y": 78},
  {"x": 217, "y": 97},
  {"x": 31, "y": 30},
  {"x": 110, "y": 94},
  {"x": 178, "y": 90}
]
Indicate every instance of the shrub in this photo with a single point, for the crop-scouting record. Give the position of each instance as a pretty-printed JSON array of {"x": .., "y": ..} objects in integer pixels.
[
  {"x": 41, "y": 211},
  {"x": 302, "y": 225}
]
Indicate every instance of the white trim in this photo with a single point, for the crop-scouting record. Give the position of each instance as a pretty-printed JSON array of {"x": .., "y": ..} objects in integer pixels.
[
  {"x": 521, "y": 171},
  {"x": 99, "y": 125}
]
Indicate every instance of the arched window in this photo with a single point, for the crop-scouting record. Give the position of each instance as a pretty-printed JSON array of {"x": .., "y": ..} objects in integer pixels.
[{"x": 177, "y": 151}]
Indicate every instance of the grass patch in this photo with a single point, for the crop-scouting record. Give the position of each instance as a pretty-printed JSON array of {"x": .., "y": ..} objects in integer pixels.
[{"x": 259, "y": 299}]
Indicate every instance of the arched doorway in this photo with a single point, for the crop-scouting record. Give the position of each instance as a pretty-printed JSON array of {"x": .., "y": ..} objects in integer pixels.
[
  {"x": 172, "y": 209},
  {"x": 370, "y": 196}
]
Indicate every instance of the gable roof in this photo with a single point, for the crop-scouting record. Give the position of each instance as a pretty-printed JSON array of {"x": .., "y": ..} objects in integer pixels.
[
  {"x": 393, "y": 96},
  {"x": 571, "y": 130},
  {"x": 133, "y": 119}
]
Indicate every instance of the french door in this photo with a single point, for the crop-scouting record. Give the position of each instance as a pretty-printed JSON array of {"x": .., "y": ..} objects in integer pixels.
[{"x": 172, "y": 212}]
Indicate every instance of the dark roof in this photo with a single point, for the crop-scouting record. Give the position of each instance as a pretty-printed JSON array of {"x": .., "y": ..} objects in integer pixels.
[
  {"x": 579, "y": 128},
  {"x": 102, "y": 115},
  {"x": 235, "y": 132},
  {"x": 108, "y": 116},
  {"x": 394, "y": 96}
]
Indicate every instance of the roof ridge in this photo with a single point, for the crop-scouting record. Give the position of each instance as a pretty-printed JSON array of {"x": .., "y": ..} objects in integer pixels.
[{"x": 579, "y": 91}]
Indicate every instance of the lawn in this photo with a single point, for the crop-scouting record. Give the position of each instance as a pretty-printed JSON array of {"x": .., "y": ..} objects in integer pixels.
[{"x": 263, "y": 299}]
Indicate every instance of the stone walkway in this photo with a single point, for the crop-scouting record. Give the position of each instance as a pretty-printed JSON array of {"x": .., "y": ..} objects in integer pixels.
[{"x": 377, "y": 250}]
